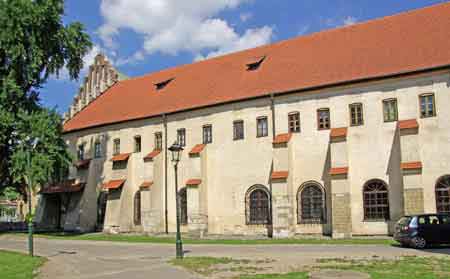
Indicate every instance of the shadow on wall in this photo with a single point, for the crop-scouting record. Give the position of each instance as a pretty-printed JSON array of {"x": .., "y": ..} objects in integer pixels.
[{"x": 395, "y": 183}]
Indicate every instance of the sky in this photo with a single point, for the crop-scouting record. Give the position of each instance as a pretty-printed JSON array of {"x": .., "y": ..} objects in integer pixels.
[{"x": 143, "y": 36}]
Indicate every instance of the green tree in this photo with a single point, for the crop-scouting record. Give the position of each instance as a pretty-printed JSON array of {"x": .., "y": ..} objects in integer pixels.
[{"x": 34, "y": 45}]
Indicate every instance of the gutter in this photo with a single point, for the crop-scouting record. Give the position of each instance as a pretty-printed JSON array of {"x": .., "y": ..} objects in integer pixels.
[{"x": 166, "y": 213}]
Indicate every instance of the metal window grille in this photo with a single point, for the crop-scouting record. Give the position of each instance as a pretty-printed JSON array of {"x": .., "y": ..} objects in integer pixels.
[
  {"x": 443, "y": 195},
  {"x": 137, "y": 144},
  {"x": 258, "y": 209},
  {"x": 312, "y": 205},
  {"x": 376, "y": 201},
  {"x": 97, "y": 149}
]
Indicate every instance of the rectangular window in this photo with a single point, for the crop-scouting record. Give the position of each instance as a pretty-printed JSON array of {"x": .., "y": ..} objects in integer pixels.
[
  {"x": 97, "y": 149},
  {"x": 137, "y": 144},
  {"x": 116, "y": 147},
  {"x": 262, "y": 129},
  {"x": 294, "y": 122},
  {"x": 323, "y": 119},
  {"x": 356, "y": 114},
  {"x": 238, "y": 130},
  {"x": 80, "y": 152},
  {"x": 207, "y": 134},
  {"x": 158, "y": 141},
  {"x": 427, "y": 105},
  {"x": 181, "y": 137},
  {"x": 390, "y": 112}
]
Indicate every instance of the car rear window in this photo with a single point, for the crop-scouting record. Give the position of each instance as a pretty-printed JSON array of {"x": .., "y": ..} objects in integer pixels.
[{"x": 404, "y": 221}]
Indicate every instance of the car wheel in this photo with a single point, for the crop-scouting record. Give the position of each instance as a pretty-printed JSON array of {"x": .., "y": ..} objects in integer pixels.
[{"x": 419, "y": 242}]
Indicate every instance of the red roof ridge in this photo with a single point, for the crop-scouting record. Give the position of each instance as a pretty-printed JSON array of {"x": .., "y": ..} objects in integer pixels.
[
  {"x": 279, "y": 175},
  {"x": 338, "y": 170},
  {"x": 197, "y": 149},
  {"x": 193, "y": 182}
]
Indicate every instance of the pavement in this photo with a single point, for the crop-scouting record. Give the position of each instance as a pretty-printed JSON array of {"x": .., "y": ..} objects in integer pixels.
[{"x": 109, "y": 260}]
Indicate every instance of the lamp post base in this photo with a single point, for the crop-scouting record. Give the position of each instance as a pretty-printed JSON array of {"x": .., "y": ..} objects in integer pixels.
[
  {"x": 179, "y": 249},
  {"x": 30, "y": 239}
]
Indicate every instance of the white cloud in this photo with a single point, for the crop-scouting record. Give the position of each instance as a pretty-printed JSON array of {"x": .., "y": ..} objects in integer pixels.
[
  {"x": 172, "y": 26},
  {"x": 245, "y": 16},
  {"x": 350, "y": 20}
]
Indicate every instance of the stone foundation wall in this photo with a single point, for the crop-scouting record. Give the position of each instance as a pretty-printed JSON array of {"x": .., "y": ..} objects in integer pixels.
[
  {"x": 341, "y": 216},
  {"x": 414, "y": 203}
]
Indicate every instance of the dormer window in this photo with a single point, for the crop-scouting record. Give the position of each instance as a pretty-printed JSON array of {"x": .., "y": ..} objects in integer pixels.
[
  {"x": 162, "y": 84},
  {"x": 255, "y": 63}
]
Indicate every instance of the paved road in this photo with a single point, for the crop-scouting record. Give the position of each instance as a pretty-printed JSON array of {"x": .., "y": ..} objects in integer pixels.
[{"x": 107, "y": 260}]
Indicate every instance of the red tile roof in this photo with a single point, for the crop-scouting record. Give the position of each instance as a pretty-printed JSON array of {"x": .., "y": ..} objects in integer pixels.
[
  {"x": 68, "y": 186},
  {"x": 82, "y": 164},
  {"x": 279, "y": 175},
  {"x": 338, "y": 132},
  {"x": 120, "y": 157},
  {"x": 404, "y": 43},
  {"x": 282, "y": 138},
  {"x": 193, "y": 182},
  {"x": 408, "y": 124},
  {"x": 146, "y": 184},
  {"x": 152, "y": 154},
  {"x": 197, "y": 149},
  {"x": 337, "y": 171},
  {"x": 411, "y": 165},
  {"x": 114, "y": 184}
]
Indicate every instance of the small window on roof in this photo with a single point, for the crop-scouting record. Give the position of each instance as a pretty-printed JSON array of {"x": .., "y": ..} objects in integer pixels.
[
  {"x": 255, "y": 63},
  {"x": 162, "y": 84}
]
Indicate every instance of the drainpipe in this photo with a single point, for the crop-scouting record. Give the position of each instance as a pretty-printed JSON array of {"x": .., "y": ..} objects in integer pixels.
[
  {"x": 166, "y": 222},
  {"x": 272, "y": 108}
]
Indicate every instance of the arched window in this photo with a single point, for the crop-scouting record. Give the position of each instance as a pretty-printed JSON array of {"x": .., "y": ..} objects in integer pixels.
[
  {"x": 183, "y": 206},
  {"x": 443, "y": 195},
  {"x": 137, "y": 208},
  {"x": 311, "y": 204},
  {"x": 257, "y": 205},
  {"x": 376, "y": 200}
]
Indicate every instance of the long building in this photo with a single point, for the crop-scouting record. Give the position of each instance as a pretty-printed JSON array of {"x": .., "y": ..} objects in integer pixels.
[{"x": 339, "y": 132}]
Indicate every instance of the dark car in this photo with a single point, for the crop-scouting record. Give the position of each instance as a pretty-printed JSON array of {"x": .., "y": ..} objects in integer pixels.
[{"x": 418, "y": 231}]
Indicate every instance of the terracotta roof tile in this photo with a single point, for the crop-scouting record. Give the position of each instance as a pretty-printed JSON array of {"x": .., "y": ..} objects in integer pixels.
[
  {"x": 193, "y": 182},
  {"x": 120, "y": 157},
  {"x": 337, "y": 171},
  {"x": 197, "y": 149},
  {"x": 68, "y": 186},
  {"x": 404, "y": 43},
  {"x": 282, "y": 138},
  {"x": 146, "y": 184},
  {"x": 82, "y": 164},
  {"x": 114, "y": 184},
  {"x": 152, "y": 154},
  {"x": 408, "y": 124},
  {"x": 338, "y": 132},
  {"x": 411, "y": 165},
  {"x": 279, "y": 175}
]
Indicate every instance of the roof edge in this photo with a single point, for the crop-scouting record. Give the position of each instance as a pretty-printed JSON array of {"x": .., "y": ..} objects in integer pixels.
[{"x": 268, "y": 94}]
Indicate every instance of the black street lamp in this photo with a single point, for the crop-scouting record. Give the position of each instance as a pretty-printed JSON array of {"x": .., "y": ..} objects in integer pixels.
[
  {"x": 32, "y": 143},
  {"x": 176, "y": 150}
]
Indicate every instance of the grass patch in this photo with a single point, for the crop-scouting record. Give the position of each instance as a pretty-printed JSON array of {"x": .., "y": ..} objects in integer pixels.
[
  {"x": 201, "y": 265},
  {"x": 404, "y": 268},
  {"x": 18, "y": 266},
  {"x": 171, "y": 240}
]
